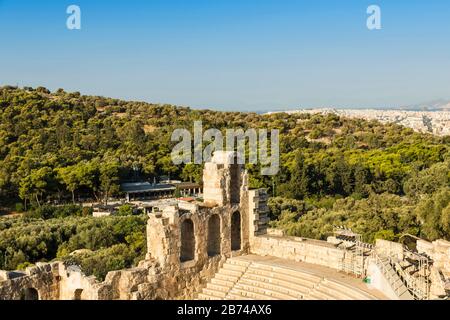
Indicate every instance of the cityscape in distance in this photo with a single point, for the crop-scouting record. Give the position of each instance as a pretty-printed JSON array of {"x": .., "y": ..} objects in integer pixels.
[{"x": 432, "y": 117}]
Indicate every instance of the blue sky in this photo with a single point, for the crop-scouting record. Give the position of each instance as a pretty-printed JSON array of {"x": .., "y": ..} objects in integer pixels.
[{"x": 232, "y": 55}]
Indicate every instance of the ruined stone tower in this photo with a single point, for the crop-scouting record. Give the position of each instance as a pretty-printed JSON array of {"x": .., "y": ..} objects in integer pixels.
[{"x": 224, "y": 180}]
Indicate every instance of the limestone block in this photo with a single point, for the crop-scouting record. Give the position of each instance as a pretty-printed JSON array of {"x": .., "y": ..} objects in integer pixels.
[
  {"x": 441, "y": 245},
  {"x": 437, "y": 283},
  {"x": 425, "y": 247},
  {"x": 389, "y": 248}
]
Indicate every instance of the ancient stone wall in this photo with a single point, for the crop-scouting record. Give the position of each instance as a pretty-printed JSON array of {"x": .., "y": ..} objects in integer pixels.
[
  {"x": 299, "y": 249},
  {"x": 389, "y": 249},
  {"x": 52, "y": 281},
  {"x": 165, "y": 241},
  {"x": 224, "y": 181},
  {"x": 439, "y": 251},
  {"x": 258, "y": 212},
  {"x": 38, "y": 282}
]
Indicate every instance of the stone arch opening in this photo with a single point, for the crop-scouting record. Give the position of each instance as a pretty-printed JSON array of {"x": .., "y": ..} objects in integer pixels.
[
  {"x": 235, "y": 181},
  {"x": 77, "y": 294},
  {"x": 30, "y": 294},
  {"x": 236, "y": 231},
  {"x": 187, "y": 250},
  {"x": 214, "y": 238}
]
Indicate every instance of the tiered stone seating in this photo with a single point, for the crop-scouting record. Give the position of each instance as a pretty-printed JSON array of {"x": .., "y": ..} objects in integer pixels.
[
  {"x": 277, "y": 282},
  {"x": 331, "y": 290},
  {"x": 243, "y": 279},
  {"x": 224, "y": 280}
]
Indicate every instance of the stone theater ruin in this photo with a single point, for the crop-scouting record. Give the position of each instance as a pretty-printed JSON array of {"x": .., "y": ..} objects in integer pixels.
[{"x": 222, "y": 248}]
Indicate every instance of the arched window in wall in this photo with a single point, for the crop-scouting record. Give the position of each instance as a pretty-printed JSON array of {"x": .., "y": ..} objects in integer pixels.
[
  {"x": 187, "y": 251},
  {"x": 30, "y": 294},
  {"x": 214, "y": 237},
  {"x": 236, "y": 231}
]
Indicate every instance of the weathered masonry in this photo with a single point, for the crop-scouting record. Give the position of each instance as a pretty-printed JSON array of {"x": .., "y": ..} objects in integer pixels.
[{"x": 187, "y": 244}]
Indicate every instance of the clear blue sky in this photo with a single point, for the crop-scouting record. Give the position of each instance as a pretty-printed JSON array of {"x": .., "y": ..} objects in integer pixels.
[{"x": 230, "y": 54}]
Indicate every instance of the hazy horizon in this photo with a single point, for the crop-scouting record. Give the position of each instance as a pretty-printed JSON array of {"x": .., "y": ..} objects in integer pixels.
[{"x": 415, "y": 107}]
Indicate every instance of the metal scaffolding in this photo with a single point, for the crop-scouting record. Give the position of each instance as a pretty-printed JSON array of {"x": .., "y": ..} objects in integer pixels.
[
  {"x": 415, "y": 275},
  {"x": 355, "y": 250}
]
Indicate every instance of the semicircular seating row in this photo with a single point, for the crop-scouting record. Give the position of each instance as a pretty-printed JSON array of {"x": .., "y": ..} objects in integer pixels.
[{"x": 240, "y": 279}]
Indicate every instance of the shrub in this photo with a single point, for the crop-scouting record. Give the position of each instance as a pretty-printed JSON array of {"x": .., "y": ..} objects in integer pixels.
[
  {"x": 19, "y": 207},
  {"x": 50, "y": 212},
  {"x": 385, "y": 235},
  {"x": 29, "y": 240},
  {"x": 125, "y": 210}
]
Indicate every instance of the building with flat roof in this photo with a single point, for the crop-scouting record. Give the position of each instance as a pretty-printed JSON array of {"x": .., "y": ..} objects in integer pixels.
[
  {"x": 138, "y": 191},
  {"x": 147, "y": 191}
]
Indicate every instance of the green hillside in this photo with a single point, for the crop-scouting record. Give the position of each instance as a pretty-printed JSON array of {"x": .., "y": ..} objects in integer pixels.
[{"x": 381, "y": 180}]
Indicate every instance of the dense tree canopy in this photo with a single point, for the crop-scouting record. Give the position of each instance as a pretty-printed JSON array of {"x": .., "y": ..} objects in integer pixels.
[
  {"x": 381, "y": 180},
  {"x": 57, "y": 144},
  {"x": 50, "y": 234}
]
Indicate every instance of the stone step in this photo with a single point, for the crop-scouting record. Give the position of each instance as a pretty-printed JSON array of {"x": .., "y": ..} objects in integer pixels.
[
  {"x": 268, "y": 292},
  {"x": 204, "y": 296},
  {"x": 217, "y": 287},
  {"x": 229, "y": 272},
  {"x": 332, "y": 293},
  {"x": 214, "y": 293},
  {"x": 353, "y": 294},
  {"x": 221, "y": 282},
  {"x": 298, "y": 279},
  {"x": 234, "y": 267},
  {"x": 279, "y": 289},
  {"x": 226, "y": 277},
  {"x": 315, "y": 295},
  {"x": 266, "y": 280},
  {"x": 287, "y": 271},
  {"x": 238, "y": 262},
  {"x": 249, "y": 295},
  {"x": 312, "y": 296},
  {"x": 235, "y": 296}
]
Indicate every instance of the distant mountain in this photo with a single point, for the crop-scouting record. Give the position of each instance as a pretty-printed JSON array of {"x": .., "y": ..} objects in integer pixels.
[{"x": 435, "y": 105}]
